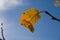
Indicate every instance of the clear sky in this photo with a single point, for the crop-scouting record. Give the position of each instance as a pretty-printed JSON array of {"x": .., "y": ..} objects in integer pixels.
[{"x": 45, "y": 28}]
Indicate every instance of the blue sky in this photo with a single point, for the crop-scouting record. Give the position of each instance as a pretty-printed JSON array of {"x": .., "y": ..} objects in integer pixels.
[{"x": 45, "y": 28}]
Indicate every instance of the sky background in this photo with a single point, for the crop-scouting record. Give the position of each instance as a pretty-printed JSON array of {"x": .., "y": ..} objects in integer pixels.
[{"x": 45, "y": 28}]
